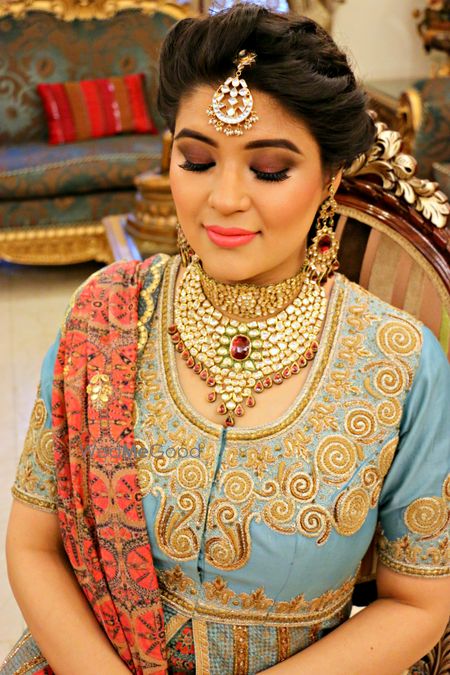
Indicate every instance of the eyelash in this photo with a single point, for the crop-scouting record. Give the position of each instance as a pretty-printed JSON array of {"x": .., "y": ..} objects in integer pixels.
[{"x": 275, "y": 176}]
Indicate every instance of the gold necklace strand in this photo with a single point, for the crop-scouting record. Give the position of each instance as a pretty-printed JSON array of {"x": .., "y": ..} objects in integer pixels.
[
  {"x": 236, "y": 359},
  {"x": 248, "y": 301}
]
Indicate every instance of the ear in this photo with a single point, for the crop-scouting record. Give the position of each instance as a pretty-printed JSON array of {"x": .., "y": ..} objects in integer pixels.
[{"x": 336, "y": 177}]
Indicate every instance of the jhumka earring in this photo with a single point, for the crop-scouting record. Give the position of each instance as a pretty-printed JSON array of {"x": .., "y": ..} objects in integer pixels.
[
  {"x": 321, "y": 257},
  {"x": 231, "y": 109},
  {"x": 186, "y": 252}
]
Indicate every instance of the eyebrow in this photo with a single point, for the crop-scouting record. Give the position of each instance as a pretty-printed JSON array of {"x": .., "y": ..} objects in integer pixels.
[{"x": 261, "y": 143}]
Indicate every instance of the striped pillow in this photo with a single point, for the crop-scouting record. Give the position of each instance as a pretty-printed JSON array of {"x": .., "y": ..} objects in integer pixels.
[{"x": 77, "y": 111}]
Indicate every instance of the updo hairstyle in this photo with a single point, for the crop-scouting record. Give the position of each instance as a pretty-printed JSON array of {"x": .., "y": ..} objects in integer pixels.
[{"x": 297, "y": 63}]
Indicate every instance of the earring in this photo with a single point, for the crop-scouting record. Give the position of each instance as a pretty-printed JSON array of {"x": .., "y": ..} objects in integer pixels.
[
  {"x": 186, "y": 252},
  {"x": 321, "y": 256}
]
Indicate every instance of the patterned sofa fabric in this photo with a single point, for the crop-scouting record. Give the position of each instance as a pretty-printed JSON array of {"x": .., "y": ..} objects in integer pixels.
[
  {"x": 37, "y": 169},
  {"x": 22, "y": 214},
  {"x": 41, "y": 48},
  {"x": 49, "y": 186}
]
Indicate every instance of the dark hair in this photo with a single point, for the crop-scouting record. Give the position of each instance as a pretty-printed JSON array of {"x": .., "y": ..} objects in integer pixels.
[{"x": 297, "y": 63}]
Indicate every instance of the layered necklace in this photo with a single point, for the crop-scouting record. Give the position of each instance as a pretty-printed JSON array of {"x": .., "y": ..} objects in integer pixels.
[{"x": 239, "y": 358}]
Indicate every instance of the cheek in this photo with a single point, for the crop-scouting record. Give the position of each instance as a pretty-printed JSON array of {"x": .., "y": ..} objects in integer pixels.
[
  {"x": 292, "y": 203},
  {"x": 186, "y": 190}
]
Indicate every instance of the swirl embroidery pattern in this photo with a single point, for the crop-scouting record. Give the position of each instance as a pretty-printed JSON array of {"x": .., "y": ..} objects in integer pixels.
[{"x": 323, "y": 473}]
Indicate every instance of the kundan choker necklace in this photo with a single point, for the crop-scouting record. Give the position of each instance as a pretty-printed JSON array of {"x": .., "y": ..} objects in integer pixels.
[{"x": 238, "y": 359}]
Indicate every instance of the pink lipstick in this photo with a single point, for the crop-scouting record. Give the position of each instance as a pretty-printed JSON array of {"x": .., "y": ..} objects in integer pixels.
[{"x": 229, "y": 237}]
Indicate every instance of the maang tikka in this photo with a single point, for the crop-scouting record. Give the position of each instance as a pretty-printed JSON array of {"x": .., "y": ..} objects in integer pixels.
[{"x": 231, "y": 110}]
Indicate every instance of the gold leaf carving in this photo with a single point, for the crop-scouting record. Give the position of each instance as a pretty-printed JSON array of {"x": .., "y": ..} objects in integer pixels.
[
  {"x": 397, "y": 172},
  {"x": 68, "y": 10}
]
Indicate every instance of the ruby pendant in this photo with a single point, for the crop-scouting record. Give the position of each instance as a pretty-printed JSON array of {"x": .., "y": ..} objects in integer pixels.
[
  {"x": 286, "y": 372},
  {"x": 240, "y": 347},
  {"x": 314, "y": 346},
  {"x": 204, "y": 374},
  {"x": 211, "y": 381},
  {"x": 259, "y": 387},
  {"x": 295, "y": 368},
  {"x": 190, "y": 362},
  {"x": 197, "y": 368},
  {"x": 180, "y": 346},
  {"x": 172, "y": 329},
  {"x": 302, "y": 362},
  {"x": 175, "y": 337},
  {"x": 185, "y": 354},
  {"x": 250, "y": 402},
  {"x": 267, "y": 382},
  {"x": 239, "y": 410},
  {"x": 212, "y": 396},
  {"x": 278, "y": 378},
  {"x": 309, "y": 355},
  {"x": 222, "y": 409}
]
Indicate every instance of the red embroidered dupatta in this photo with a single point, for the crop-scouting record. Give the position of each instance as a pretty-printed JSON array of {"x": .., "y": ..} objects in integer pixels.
[{"x": 99, "y": 501}]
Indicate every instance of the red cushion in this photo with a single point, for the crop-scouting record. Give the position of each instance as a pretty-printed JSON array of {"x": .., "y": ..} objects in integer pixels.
[{"x": 76, "y": 111}]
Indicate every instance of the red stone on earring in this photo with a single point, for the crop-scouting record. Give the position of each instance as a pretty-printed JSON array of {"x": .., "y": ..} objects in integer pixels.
[
  {"x": 240, "y": 347},
  {"x": 324, "y": 243}
]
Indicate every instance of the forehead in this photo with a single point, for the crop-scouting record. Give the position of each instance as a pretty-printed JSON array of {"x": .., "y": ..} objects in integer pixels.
[{"x": 274, "y": 121}]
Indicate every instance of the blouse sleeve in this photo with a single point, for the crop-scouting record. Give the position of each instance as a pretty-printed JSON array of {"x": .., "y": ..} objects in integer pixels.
[
  {"x": 35, "y": 482},
  {"x": 413, "y": 520}
]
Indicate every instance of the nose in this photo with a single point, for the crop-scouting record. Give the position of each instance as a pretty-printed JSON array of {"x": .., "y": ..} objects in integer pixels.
[{"x": 228, "y": 194}]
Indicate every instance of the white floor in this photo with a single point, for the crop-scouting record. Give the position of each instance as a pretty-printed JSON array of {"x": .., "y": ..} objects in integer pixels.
[{"x": 32, "y": 304}]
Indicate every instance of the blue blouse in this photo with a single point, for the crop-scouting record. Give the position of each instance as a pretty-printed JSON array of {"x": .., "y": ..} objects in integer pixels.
[{"x": 258, "y": 533}]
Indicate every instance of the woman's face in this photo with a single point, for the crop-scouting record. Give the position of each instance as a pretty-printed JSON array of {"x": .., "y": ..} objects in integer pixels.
[{"x": 268, "y": 182}]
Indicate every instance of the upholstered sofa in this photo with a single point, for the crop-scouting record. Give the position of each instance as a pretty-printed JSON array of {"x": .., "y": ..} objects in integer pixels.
[{"x": 53, "y": 197}]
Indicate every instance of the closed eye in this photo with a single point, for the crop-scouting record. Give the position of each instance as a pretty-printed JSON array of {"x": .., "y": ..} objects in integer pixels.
[{"x": 274, "y": 176}]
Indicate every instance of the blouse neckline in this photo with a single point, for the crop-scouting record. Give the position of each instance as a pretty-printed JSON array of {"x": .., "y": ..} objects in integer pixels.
[{"x": 303, "y": 398}]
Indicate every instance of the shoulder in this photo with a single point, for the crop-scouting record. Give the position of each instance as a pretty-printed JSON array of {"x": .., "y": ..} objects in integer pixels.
[
  {"x": 391, "y": 335},
  {"x": 396, "y": 332},
  {"x": 116, "y": 282}
]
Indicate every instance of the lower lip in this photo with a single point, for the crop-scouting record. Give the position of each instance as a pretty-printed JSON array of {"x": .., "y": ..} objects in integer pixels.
[{"x": 230, "y": 241}]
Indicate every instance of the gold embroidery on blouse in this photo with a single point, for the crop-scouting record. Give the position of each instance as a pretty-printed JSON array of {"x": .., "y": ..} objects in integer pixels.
[
  {"x": 282, "y": 485},
  {"x": 386, "y": 456},
  {"x": 409, "y": 556},
  {"x": 146, "y": 298},
  {"x": 351, "y": 511},
  {"x": 178, "y": 588},
  {"x": 336, "y": 458},
  {"x": 240, "y": 650},
  {"x": 283, "y": 643},
  {"x": 398, "y": 337},
  {"x": 341, "y": 384},
  {"x": 99, "y": 390},
  {"x": 29, "y": 486},
  {"x": 428, "y": 516}
]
